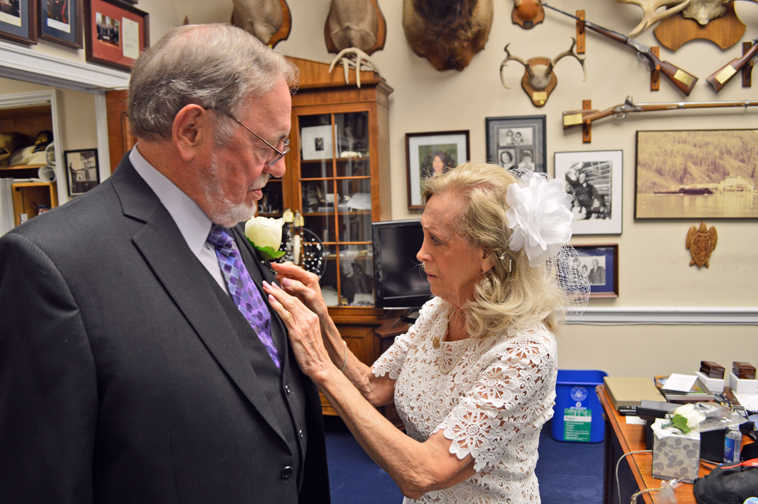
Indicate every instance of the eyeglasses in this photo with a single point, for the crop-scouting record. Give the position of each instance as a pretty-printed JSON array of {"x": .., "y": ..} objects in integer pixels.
[{"x": 278, "y": 154}]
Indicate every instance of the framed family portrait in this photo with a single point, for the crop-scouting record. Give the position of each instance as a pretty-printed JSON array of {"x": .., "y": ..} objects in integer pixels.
[
  {"x": 60, "y": 21},
  {"x": 116, "y": 33},
  {"x": 431, "y": 153},
  {"x": 593, "y": 182},
  {"x": 600, "y": 265},
  {"x": 696, "y": 174},
  {"x": 18, "y": 20},
  {"x": 517, "y": 142},
  {"x": 82, "y": 170}
]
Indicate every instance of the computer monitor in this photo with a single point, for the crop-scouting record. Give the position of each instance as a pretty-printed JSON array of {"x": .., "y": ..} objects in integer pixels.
[{"x": 399, "y": 280}]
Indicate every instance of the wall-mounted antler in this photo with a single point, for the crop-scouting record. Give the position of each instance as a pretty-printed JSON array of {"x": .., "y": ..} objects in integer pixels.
[
  {"x": 650, "y": 14},
  {"x": 539, "y": 80}
]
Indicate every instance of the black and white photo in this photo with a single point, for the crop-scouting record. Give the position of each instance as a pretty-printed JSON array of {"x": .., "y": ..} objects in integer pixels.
[
  {"x": 517, "y": 143},
  {"x": 593, "y": 182},
  {"x": 82, "y": 170}
]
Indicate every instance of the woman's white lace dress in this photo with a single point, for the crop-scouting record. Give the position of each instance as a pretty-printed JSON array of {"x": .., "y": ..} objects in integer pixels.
[{"x": 490, "y": 396}]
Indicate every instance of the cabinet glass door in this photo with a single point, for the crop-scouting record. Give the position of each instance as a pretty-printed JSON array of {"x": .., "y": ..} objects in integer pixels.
[{"x": 335, "y": 191}]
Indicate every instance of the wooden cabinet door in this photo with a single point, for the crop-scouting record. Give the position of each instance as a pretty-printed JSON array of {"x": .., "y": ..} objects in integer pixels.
[{"x": 120, "y": 138}]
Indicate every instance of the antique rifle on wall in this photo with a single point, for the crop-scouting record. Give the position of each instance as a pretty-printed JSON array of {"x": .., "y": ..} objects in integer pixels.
[
  {"x": 578, "y": 117},
  {"x": 721, "y": 76},
  {"x": 682, "y": 79}
]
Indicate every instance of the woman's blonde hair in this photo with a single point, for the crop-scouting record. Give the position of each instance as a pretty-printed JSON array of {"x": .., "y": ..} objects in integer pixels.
[{"x": 512, "y": 293}]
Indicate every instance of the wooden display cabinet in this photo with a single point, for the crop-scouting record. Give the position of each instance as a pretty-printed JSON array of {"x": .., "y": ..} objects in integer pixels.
[
  {"x": 30, "y": 198},
  {"x": 338, "y": 179}
]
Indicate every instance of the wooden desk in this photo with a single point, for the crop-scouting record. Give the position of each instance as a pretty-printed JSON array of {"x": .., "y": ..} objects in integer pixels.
[{"x": 635, "y": 472}]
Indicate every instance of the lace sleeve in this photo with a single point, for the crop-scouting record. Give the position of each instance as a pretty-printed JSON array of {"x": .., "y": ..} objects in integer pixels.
[
  {"x": 512, "y": 396},
  {"x": 391, "y": 361}
]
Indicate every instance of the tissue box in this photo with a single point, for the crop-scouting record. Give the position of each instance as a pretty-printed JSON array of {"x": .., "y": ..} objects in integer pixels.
[
  {"x": 742, "y": 386},
  {"x": 714, "y": 385},
  {"x": 675, "y": 454}
]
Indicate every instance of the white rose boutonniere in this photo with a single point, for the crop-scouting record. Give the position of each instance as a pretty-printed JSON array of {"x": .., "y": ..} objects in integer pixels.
[
  {"x": 687, "y": 418},
  {"x": 265, "y": 234}
]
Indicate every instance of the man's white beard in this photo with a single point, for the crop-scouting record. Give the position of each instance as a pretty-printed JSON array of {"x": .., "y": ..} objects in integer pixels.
[{"x": 225, "y": 213}]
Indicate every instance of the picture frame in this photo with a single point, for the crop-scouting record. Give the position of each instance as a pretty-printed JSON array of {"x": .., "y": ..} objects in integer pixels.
[
  {"x": 695, "y": 174},
  {"x": 427, "y": 153},
  {"x": 601, "y": 263},
  {"x": 593, "y": 180},
  {"x": 60, "y": 21},
  {"x": 511, "y": 141},
  {"x": 82, "y": 170},
  {"x": 115, "y": 33},
  {"x": 316, "y": 142},
  {"x": 18, "y": 21}
]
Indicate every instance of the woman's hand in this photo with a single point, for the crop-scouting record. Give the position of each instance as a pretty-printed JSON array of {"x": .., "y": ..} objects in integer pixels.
[
  {"x": 303, "y": 284},
  {"x": 304, "y": 332}
]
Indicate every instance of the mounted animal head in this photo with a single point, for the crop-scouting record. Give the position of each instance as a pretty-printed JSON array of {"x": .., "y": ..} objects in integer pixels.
[
  {"x": 269, "y": 20},
  {"x": 650, "y": 14},
  {"x": 355, "y": 23},
  {"x": 539, "y": 80},
  {"x": 447, "y": 32},
  {"x": 527, "y": 13},
  {"x": 705, "y": 11}
]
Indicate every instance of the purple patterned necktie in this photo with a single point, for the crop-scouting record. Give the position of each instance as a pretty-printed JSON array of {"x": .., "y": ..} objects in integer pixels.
[{"x": 241, "y": 287}]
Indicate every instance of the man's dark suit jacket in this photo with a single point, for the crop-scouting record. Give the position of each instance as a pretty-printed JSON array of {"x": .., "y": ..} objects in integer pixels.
[{"x": 128, "y": 375}]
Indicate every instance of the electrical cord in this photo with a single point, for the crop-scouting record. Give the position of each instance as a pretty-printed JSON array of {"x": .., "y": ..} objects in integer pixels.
[{"x": 618, "y": 462}]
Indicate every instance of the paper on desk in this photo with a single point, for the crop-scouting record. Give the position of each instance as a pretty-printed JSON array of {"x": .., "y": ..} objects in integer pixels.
[
  {"x": 748, "y": 401},
  {"x": 679, "y": 382},
  {"x": 634, "y": 420}
]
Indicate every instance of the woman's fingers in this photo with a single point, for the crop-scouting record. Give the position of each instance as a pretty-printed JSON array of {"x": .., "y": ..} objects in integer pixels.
[{"x": 290, "y": 270}]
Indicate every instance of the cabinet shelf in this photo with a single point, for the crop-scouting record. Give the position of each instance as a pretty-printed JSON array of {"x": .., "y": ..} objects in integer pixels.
[
  {"x": 21, "y": 167},
  {"x": 331, "y": 214}
]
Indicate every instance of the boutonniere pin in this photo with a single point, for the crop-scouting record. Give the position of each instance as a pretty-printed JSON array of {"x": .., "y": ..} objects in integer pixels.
[{"x": 265, "y": 234}]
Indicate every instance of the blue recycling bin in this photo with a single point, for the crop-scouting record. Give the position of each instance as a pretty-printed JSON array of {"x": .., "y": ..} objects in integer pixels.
[{"x": 578, "y": 414}]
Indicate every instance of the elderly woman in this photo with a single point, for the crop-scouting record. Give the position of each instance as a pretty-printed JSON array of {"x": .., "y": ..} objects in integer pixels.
[{"x": 474, "y": 378}]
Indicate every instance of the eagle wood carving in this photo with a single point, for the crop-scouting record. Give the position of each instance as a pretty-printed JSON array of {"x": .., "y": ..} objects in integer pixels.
[{"x": 447, "y": 32}]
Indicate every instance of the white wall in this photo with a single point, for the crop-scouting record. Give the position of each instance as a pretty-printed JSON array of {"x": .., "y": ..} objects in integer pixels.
[{"x": 654, "y": 266}]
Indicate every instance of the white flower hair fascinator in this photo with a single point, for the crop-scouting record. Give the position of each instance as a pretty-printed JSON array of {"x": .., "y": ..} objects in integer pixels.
[{"x": 540, "y": 219}]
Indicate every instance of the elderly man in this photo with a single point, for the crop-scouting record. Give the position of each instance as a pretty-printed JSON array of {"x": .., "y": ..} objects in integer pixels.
[{"x": 139, "y": 361}]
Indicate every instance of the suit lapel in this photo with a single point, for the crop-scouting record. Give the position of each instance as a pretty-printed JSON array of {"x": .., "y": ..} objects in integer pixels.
[{"x": 188, "y": 284}]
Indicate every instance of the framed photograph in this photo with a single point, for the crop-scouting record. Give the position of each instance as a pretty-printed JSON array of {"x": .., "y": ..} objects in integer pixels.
[
  {"x": 430, "y": 153},
  {"x": 517, "y": 142},
  {"x": 593, "y": 181},
  {"x": 600, "y": 263},
  {"x": 116, "y": 33},
  {"x": 82, "y": 170},
  {"x": 60, "y": 21},
  {"x": 316, "y": 142},
  {"x": 696, "y": 174},
  {"x": 18, "y": 20}
]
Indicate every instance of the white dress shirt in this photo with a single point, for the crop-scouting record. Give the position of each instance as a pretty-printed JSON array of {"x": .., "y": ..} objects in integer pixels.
[{"x": 192, "y": 222}]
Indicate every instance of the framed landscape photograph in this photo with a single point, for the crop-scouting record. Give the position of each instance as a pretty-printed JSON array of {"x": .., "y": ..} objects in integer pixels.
[
  {"x": 60, "y": 21},
  {"x": 116, "y": 33},
  {"x": 593, "y": 182},
  {"x": 600, "y": 264},
  {"x": 82, "y": 170},
  {"x": 517, "y": 142},
  {"x": 431, "y": 153},
  {"x": 18, "y": 20},
  {"x": 696, "y": 174}
]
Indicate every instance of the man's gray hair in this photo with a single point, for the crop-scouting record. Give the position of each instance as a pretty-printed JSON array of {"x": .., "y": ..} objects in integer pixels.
[{"x": 216, "y": 66}]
